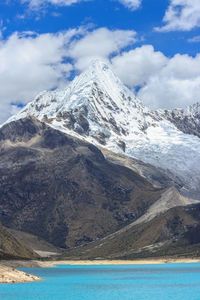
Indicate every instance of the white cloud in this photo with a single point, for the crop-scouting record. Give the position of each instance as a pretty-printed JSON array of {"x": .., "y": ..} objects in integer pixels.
[
  {"x": 30, "y": 64},
  {"x": 136, "y": 66},
  {"x": 100, "y": 43},
  {"x": 131, "y": 4},
  {"x": 181, "y": 15},
  {"x": 35, "y": 4},
  {"x": 38, "y": 3},
  {"x": 164, "y": 82},
  {"x": 170, "y": 92},
  {"x": 177, "y": 84}
]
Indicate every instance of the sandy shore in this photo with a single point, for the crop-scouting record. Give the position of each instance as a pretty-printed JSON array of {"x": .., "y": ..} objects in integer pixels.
[
  {"x": 46, "y": 264},
  {"x": 127, "y": 262},
  {"x": 10, "y": 275}
]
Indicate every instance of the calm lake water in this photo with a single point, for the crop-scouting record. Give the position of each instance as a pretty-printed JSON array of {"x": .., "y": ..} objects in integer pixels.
[{"x": 148, "y": 282}]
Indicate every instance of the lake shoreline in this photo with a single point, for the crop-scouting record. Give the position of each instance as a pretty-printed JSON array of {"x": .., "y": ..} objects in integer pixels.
[
  {"x": 53, "y": 263},
  {"x": 10, "y": 275},
  {"x": 109, "y": 282}
]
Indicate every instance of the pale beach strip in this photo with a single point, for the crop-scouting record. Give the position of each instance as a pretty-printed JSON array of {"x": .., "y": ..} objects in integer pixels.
[{"x": 52, "y": 263}]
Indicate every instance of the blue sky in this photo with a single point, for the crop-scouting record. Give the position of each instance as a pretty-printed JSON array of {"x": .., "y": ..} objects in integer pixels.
[{"x": 153, "y": 46}]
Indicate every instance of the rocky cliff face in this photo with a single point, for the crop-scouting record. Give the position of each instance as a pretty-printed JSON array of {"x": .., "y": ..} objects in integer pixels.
[
  {"x": 187, "y": 121},
  {"x": 63, "y": 189}
]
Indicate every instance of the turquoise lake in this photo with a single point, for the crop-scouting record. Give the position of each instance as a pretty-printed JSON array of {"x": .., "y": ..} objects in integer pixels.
[{"x": 141, "y": 282}]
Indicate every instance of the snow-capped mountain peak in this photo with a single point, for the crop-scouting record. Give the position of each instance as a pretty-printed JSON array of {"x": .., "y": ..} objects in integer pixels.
[{"x": 97, "y": 106}]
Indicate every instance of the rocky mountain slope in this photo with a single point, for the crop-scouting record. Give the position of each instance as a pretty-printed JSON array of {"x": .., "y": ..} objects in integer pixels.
[
  {"x": 97, "y": 107},
  {"x": 36, "y": 244},
  {"x": 11, "y": 247},
  {"x": 173, "y": 232},
  {"x": 188, "y": 121},
  {"x": 62, "y": 189}
]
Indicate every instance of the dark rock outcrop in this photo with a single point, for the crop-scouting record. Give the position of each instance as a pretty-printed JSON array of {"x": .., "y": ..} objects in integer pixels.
[{"x": 187, "y": 122}]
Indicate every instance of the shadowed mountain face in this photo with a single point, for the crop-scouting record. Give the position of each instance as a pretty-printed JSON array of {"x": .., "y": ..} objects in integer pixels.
[{"x": 63, "y": 189}]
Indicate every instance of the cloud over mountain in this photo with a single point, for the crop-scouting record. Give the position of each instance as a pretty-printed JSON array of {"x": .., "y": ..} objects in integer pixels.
[
  {"x": 161, "y": 81},
  {"x": 100, "y": 43}
]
